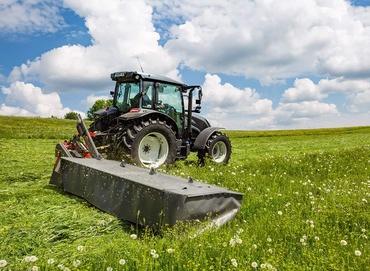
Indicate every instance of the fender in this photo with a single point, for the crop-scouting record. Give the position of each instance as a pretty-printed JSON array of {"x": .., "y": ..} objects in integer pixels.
[
  {"x": 152, "y": 113},
  {"x": 203, "y": 137}
]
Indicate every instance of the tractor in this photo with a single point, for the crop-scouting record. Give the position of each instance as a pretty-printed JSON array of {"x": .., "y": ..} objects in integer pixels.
[{"x": 154, "y": 120}]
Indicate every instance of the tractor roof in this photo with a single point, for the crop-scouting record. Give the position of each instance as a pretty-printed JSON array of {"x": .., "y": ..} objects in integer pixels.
[{"x": 117, "y": 76}]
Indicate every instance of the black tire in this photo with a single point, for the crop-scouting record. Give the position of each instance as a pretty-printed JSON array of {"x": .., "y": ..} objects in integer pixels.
[
  {"x": 152, "y": 143},
  {"x": 218, "y": 148}
]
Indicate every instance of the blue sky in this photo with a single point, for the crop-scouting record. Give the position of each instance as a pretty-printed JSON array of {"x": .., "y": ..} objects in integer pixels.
[{"x": 262, "y": 64}]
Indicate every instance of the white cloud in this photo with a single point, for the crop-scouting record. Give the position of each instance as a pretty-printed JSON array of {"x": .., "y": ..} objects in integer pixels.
[
  {"x": 272, "y": 40},
  {"x": 91, "y": 99},
  {"x": 120, "y": 33},
  {"x": 360, "y": 102},
  {"x": 228, "y": 103},
  {"x": 341, "y": 85},
  {"x": 267, "y": 40},
  {"x": 30, "y": 16},
  {"x": 229, "y": 99},
  {"x": 29, "y": 100},
  {"x": 304, "y": 90}
]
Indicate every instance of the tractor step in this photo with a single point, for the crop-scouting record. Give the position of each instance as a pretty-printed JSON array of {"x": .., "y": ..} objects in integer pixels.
[{"x": 144, "y": 196}]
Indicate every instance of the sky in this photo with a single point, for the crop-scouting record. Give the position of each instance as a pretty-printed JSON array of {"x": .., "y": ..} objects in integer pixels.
[{"x": 262, "y": 64}]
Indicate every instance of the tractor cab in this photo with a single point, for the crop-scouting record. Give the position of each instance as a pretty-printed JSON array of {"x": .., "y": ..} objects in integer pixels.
[{"x": 139, "y": 92}]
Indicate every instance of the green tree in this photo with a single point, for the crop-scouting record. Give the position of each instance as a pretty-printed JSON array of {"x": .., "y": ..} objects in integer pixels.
[
  {"x": 99, "y": 104},
  {"x": 71, "y": 116}
]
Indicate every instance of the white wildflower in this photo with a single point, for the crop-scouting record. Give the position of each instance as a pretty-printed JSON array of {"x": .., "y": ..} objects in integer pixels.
[
  {"x": 80, "y": 248},
  {"x": 254, "y": 264},
  {"x": 343, "y": 242},
  {"x": 358, "y": 253},
  {"x": 3, "y": 263},
  {"x": 234, "y": 263},
  {"x": 133, "y": 236},
  {"x": 170, "y": 250},
  {"x": 35, "y": 268},
  {"x": 122, "y": 262},
  {"x": 51, "y": 261}
]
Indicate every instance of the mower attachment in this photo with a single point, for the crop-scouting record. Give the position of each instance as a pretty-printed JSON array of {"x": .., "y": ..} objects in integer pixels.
[
  {"x": 141, "y": 196},
  {"x": 136, "y": 194}
]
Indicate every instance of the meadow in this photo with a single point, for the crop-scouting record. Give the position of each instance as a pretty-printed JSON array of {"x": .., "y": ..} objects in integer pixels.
[{"x": 306, "y": 206}]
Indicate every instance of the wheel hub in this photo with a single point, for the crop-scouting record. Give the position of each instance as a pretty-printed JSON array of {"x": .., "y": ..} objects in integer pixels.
[{"x": 146, "y": 149}]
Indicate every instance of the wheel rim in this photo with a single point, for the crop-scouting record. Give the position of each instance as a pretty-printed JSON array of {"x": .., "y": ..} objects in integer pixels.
[
  {"x": 153, "y": 150},
  {"x": 219, "y": 152}
]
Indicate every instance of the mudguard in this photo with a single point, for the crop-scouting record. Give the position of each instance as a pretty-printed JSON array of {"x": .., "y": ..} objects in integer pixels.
[
  {"x": 138, "y": 115},
  {"x": 202, "y": 138}
]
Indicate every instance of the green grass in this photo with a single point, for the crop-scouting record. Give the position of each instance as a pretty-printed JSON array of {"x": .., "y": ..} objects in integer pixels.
[{"x": 306, "y": 206}]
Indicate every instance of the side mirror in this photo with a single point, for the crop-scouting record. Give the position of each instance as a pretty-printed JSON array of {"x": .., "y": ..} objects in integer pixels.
[
  {"x": 200, "y": 95},
  {"x": 111, "y": 93}
]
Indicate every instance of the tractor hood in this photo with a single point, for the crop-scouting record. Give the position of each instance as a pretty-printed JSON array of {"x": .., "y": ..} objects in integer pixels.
[{"x": 111, "y": 110}]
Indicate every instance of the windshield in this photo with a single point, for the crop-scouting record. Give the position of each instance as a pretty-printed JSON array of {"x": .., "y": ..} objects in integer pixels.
[{"x": 127, "y": 95}]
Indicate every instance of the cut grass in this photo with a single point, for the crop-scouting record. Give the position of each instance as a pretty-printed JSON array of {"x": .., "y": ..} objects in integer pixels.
[{"x": 306, "y": 192}]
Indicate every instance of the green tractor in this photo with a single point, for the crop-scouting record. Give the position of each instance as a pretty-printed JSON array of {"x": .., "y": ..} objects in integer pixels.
[{"x": 153, "y": 120}]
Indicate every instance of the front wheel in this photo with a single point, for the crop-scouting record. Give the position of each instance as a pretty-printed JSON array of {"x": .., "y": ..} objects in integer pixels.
[{"x": 219, "y": 148}]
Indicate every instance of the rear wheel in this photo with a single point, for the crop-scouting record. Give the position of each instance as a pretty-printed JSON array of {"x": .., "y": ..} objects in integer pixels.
[
  {"x": 219, "y": 148},
  {"x": 153, "y": 143}
]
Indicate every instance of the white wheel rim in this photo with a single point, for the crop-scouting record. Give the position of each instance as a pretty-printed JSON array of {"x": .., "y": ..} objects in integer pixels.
[
  {"x": 153, "y": 150},
  {"x": 219, "y": 152}
]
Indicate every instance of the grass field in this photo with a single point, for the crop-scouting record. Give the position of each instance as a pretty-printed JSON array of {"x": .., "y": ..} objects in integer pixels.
[{"x": 306, "y": 207}]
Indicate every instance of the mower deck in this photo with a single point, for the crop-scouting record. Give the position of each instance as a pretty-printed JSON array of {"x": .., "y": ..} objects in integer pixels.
[{"x": 143, "y": 196}]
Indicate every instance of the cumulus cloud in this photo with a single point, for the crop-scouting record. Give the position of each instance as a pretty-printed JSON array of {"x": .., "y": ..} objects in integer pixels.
[
  {"x": 30, "y": 16},
  {"x": 120, "y": 34},
  {"x": 227, "y": 103},
  {"x": 32, "y": 100},
  {"x": 272, "y": 40},
  {"x": 91, "y": 99},
  {"x": 303, "y": 90},
  {"x": 229, "y": 99}
]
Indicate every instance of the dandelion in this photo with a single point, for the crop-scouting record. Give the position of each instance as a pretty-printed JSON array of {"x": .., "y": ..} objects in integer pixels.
[
  {"x": 343, "y": 242},
  {"x": 3, "y": 263},
  {"x": 133, "y": 236},
  {"x": 254, "y": 246},
  {"x": 358, "y": 253},
  {"x": 234, "y": 263},
  {"x": 51, "y": 261},
  {"x": 317, "y": 238},
  {"x": 80, "y": 248},
  {"x": 30, "y": 259},
  {"x": 239, "y": 231},
  {"x": 270, "y": 250},
  {"x": 170, "y": 250},
  {"x": 238, "y": 240},
  {"x": 269, "y": 240},
  {"x": 76, "y": 263},
  {"x": 254, "y": 265},
  {"x": 232, "y": 242},
  {"x": 154, "y": 254},
  {"x": 109, "y": 268},
  {"x": 280, "y": 213},
  {"x": 122, "y": 262}
]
